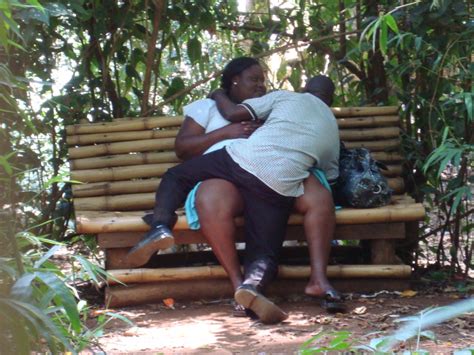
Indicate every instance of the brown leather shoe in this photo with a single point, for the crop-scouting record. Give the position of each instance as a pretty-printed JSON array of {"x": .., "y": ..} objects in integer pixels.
[{"x": 267, "y": 311}]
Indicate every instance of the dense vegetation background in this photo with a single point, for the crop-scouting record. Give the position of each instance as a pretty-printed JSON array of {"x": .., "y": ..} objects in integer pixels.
[{"x": 65, "y": 61}]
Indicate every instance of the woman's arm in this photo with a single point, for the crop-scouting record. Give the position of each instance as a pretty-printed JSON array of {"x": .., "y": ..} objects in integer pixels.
[
  {"x": 228, "y": 109},
  {"x": 192, "y": 140}
]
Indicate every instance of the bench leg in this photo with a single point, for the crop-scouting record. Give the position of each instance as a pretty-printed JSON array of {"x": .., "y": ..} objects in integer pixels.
[{"x": 382, "y": 252}]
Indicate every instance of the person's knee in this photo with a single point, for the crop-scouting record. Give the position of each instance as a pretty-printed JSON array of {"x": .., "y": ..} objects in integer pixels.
[
  {"x": 218, "y": 199},
  {"x": 315, "y": 201}
]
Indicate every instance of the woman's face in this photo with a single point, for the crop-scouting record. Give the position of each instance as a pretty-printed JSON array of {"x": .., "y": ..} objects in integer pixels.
[{"x": 248, "y": 84}]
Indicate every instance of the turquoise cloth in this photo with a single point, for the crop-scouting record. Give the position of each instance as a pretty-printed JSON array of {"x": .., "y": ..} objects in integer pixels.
[{"x": 190, "y": 204}]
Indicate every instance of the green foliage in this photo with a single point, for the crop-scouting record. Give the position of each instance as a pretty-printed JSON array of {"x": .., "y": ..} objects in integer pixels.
[
  {"x": 413, "y": 327},
  {"x": 42, "y": 309},
  {"x": 97, "y": 60}
]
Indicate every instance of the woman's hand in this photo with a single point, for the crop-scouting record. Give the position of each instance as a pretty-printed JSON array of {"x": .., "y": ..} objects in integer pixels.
[{"x": 241, "y": 129}]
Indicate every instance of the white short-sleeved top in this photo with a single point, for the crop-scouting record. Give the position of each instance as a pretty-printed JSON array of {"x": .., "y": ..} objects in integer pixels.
[
  {"x": 205, "y": 113},
  {"x": 300, "y": 132}
]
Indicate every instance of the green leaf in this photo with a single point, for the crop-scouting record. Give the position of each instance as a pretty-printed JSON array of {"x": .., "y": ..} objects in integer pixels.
[
  {"x": 37, "y": 321},
  {"x": 383, "y": 37},
  {"x": 46, "y": 256},
  {"x": 10, "y": 25},
  {"x": 22, "y": 288},
  {"x": 63, "y": 297},
  {"x": 469, "y": 106},
  {"x": 194, "y": 50},
  {"x": 391, "y": 23},
  {"x": 36, "y": 4},
  {"x": 177, "y": 84}
]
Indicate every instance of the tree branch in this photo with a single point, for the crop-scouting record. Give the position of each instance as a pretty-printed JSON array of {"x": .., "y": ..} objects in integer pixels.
[
  {"x": 261, "y": 55},
  {"x": 150, "y": 58}
]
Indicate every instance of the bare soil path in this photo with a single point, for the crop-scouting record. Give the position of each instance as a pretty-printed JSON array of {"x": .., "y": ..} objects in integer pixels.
[{"x": 209, "y": 328}]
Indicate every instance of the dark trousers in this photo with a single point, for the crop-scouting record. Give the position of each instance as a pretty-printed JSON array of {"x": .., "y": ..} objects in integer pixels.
[{"x": 266, "y": 212}]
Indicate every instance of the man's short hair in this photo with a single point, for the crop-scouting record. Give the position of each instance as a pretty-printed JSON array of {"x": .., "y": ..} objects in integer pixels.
[{"x": 321, "y": 86}]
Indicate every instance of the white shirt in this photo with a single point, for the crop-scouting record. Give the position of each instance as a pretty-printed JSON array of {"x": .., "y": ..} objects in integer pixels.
[
  {"x": 205, "y": 113},
  {"x": 300, "y": 132}
]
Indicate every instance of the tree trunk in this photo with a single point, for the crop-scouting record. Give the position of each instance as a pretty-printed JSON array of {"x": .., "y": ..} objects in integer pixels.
[{"x": 376, "y": 82}]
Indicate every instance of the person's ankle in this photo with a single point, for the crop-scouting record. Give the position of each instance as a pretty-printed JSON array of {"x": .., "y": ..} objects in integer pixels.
[{"x": 157, "y": 224}]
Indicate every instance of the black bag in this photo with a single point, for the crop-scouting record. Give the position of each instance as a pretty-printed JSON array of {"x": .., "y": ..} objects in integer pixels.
[{"x": 360, "y": 183}]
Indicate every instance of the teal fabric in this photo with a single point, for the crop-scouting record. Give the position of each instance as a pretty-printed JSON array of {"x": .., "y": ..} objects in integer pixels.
[
  {"x": 190, "y": 204},
  {"x": 190, "y": 208}
]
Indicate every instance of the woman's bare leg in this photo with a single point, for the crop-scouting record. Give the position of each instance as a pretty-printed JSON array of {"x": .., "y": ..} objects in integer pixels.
[
  {"x": 218, "y": 202},
  {"x": 319, "y": 223}
]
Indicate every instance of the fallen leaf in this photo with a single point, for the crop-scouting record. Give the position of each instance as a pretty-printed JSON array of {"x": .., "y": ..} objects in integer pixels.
[
  {"x": 97, "y": 312},
  {"x": 360, "y": 310},
  {"x": 169, "y": 302},
  {"x": 408, "y": 293},
  {"x": 131, "y": 332}
]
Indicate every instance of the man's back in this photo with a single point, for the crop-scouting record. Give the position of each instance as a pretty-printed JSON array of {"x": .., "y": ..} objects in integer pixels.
[{"x": 300, "y": 131}]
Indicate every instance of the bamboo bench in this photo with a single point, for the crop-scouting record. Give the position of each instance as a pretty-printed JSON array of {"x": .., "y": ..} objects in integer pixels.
[{"x": 119, "y": 165}]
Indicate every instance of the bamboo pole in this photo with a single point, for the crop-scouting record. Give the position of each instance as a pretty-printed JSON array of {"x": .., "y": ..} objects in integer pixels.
[
  {"x": 88, "y": 139},
  {"x": 108, "y": 222},
  {"x": 115, "y": 188},
  {"x": 121, "y": 173},
  {"x": 121, "y": 147},
  {"x": 123, "y": 159},
  {"x": 137, "y": 124},
  {"x": 212, "y": 289},
  {"x": 369, "y": 133},
  {"x": 284, "y": 271},
  {"x": 140, "y": 201},
  {"x": 368, "y": 121}
]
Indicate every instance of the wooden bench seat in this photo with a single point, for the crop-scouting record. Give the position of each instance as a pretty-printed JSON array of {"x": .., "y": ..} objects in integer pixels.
[{"x": 119, "y": 165}]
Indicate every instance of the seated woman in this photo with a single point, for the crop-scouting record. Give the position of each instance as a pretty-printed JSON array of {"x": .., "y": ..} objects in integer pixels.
[{"x": 217, "y": 202}]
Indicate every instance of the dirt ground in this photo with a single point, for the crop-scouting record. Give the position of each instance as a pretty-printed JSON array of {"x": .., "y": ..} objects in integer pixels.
[{"x": 209, "y": 328}]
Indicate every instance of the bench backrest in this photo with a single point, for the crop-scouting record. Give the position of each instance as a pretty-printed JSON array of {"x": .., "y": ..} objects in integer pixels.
[{"x": 119, "y": 163}]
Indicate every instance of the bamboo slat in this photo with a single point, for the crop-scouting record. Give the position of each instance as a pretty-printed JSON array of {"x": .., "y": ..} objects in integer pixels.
[
  {"x": 387, "y": 144},
  {"x": 392, "y": 170},
  {"x": 108, "y": 222},
  {"x": 396, "y": 184},
  {"x": 140, "y": 201},
  {"x": 121, "y": 147},
  {"x": 369, "y": 121},
  {"x": 284, "y": 271},
  {"x": 130, "y": 202},
  {"x": 150, "y": 185},
  {"x": 115, "y": 188},
  {"x": 345, "y": 133},
  {"x": 138, "y": 124},
  {"x": 121, "y": 173},
  {"x": 372, "y": 231},
  {"x": 364, "y": 111},
  {"x": 369, "y": 133},
  {"x": 87, "y": 139},
  {"x": 123, "y": 159},
  {"x": 386, "y": 156}
]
